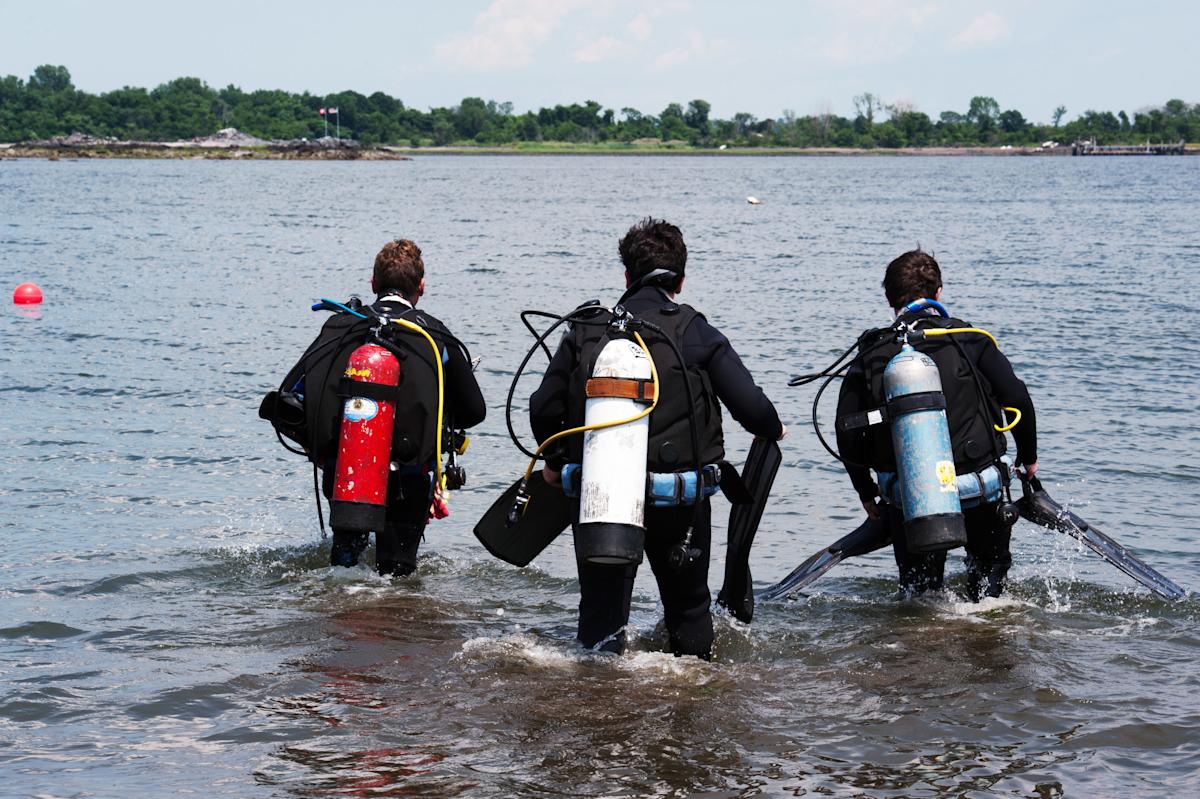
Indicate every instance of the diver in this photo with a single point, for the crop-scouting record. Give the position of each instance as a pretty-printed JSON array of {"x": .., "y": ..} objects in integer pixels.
[
  {"x": 982, "y": 397},
  {"x": 692, "y": 361},
  {"x": 412, "y": 490}
]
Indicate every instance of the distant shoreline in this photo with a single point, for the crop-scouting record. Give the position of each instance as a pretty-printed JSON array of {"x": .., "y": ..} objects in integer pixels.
[
  {"x": 188, "y": 151},
  {"x": 354, "y": 152}
]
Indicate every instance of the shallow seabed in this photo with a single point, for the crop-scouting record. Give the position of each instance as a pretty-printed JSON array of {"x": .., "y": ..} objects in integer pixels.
[{"x": 168, "y": 624}]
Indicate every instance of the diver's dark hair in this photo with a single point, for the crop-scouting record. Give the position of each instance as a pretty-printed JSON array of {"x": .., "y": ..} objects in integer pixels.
[
  {"x": 913, "y": 276},
  {"x": 399, "y": 267},
  {"x": 654, "y": 244}
]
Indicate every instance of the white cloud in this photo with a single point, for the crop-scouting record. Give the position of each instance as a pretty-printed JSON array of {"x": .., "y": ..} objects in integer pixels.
[
  {"x": 986, "y": 28},
  {"x": 505, "y": 35},
  {"x": 697, "y": 47},
  {"x": 640, "y": 27},
  {"x": 602, "y": 49}
]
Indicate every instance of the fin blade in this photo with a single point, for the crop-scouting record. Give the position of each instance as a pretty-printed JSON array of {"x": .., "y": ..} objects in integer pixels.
[
  {"x": 548, "y": 514},
  {"x": 1037, "y": 506},
  {"x": 758, "y": 476},
  {"x": 869, "y": 536}
]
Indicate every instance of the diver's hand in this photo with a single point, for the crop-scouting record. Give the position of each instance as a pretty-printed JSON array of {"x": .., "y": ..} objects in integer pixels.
[
  {"x": 553, "y": 477},
  {"x": 871, "y": 508},
  {"x": 1030, "y": 470}
]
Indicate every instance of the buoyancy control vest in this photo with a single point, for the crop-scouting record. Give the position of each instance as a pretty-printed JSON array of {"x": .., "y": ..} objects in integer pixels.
[
  {"x": 318, "y": 378},
  {"x": 973, "y": 439},
  {"x": 670, "y": 443}
]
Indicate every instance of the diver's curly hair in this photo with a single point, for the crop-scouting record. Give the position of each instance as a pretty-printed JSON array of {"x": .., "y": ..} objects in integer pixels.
[
  {"x": 914, "y": 275},
  {"x": 654, "y": 244},
  {"x": 399, "y": 267}
]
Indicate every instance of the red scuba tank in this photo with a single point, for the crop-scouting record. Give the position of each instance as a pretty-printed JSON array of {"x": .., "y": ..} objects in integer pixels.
[{"x": 365, "y": 442}]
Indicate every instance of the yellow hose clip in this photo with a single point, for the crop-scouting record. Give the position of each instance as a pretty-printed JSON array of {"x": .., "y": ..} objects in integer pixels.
[
  {"x": 601, "y": 426},
  {"x": 1015, "y": 412}
]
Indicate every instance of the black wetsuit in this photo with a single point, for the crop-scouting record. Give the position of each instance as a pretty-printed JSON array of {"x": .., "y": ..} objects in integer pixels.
[
  {"x": 410, "y": 486},
  {"x": 605, "y": 591},
  {"x": 988, "y": 556}
]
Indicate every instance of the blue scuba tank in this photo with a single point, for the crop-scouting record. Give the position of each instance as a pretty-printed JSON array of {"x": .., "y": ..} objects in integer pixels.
[{"x": 912, "y": 388}]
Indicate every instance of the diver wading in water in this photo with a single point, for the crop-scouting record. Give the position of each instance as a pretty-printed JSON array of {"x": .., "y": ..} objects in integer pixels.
[
  {"x": 628, "y": 421},
  {"x": 981, "y": 397},
  {"x": 377, "y": 398},
  {"x": 925, "y": 404}
]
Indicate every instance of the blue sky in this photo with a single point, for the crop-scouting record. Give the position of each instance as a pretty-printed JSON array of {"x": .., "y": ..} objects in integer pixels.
[{"x": 760, "y": 57}]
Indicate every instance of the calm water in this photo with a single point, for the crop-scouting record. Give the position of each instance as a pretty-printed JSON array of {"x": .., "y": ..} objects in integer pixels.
[{"x": 168, "y": 625}]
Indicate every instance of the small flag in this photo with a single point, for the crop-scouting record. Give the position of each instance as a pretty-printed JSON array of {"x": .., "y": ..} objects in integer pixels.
[
  {"x": 321, "y": 112},
  {"x": 333, "y": 110}
]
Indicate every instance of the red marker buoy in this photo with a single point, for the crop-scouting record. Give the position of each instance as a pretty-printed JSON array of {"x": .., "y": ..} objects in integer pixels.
[{"x": 27, "y": 294}]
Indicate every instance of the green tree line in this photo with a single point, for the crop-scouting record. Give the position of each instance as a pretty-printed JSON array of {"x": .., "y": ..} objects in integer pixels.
[{"x": 48, "y": 104}]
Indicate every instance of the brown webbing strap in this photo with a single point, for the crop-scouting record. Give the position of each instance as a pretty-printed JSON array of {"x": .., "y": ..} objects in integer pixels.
[{"x": 622, "y": 388}]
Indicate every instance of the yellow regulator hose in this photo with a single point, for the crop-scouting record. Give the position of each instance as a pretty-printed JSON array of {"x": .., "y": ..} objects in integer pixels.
[
  {"x": 946, "y": 331},
  {"x": 439, "y": 479}
]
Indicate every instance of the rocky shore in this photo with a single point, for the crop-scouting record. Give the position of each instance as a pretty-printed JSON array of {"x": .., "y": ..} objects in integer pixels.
[{"x": 227, "y": 144}]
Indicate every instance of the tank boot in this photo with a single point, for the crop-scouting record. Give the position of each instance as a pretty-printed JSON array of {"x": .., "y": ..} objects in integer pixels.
[{"x": 346, "y": 548}]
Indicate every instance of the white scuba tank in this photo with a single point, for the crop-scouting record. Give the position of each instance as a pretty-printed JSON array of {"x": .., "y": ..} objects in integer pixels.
[{"x": 612, "y": 492}]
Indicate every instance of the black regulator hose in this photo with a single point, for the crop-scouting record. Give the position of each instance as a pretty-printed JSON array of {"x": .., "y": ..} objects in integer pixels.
[
  {"x": 576, "y": 317},
  {"x": 830, "y": 373}
]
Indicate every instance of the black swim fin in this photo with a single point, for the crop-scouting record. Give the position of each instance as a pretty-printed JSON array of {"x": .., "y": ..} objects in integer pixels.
[
  {"x": 547, "y": 514},
  {"x": 758, "y": 475},
  {"x": 867, "y": 537},
  {"x": 1037, "y": 506}
]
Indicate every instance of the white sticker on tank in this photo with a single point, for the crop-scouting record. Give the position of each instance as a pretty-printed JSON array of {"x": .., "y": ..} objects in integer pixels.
[{"x": 360, "y": 409}]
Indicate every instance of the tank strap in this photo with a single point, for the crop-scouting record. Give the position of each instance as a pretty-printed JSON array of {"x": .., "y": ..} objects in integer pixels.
[
  {"x": 637, "y": 389},
  {"x": 925, "y": 401},
  {"x": 909, "y": 403},
  {"x": 854, "y": 421},
  {"x": 380, "y": 392}
]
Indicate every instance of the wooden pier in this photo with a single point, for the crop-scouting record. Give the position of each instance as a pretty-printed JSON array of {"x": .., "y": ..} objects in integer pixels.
[{"x": 1091, "y": 148}]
